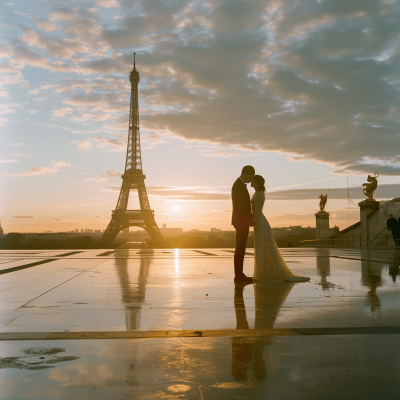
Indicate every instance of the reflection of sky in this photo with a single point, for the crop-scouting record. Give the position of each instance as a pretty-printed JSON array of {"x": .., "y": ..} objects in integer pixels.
[
  {"x": 176, "y": 318},
  {"x": 176, "y": 264}
]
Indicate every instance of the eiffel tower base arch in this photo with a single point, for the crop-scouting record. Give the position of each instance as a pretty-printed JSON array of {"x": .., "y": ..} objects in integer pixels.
[{"x": 132, "y": 218}]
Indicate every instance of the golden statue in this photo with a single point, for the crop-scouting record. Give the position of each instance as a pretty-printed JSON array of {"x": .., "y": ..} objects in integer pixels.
[
  {"x": 371, "y": 186},
  {"x": 323, "y": 201}
]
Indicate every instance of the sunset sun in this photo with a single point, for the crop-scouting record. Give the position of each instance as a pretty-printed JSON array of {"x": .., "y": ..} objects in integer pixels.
[{"x": 176, "y": 208}]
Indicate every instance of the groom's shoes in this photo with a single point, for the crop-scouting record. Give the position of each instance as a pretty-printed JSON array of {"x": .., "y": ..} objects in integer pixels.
[{"x": 243, "y": 279}]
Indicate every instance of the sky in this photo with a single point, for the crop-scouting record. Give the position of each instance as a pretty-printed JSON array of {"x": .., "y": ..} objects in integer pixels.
[{"x": 305, "y": 91}]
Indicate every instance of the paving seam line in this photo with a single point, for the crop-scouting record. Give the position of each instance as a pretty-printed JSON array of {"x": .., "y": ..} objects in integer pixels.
[
  {"x": 8, "y": 270},
  {"x": 239, "y": 333}
]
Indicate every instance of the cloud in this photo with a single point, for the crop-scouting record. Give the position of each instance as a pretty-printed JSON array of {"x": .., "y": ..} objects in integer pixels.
[
  {"x": 106, "y": 3},
  {"x": 382, "y": 192},
  {"x": 19, "y": 13},
  {"x": 85, "y": 144},
  {"x": 385, "y": 167},
  {"x": 5, "y": 161},
  {"x": 114, "y": 173},
  {"x": 99, "y": 178},
  {"x": 119, "y": 143},
  {"x": 60, "y": 48},
  {"x": 184, "y": 193},
  {"x": 6, "y": 52},
  {"x": 223, "y": 153},
  {"x": 24, "y": 56},
  {"x": 62, "y": 15},
  {"x": 24, "y": 216},
  {"x": 6, "y": 109},
  {"x": 152, "y": 139},
  {"x": 224, "y": 16},
  {"x": 68, "y": 129},
  {"x": 46, "y": 26},
  {"x": 92, "y": 107},
  {"x": 62, "y": 112},
  {"x": 141, "y": 29},
  {"x": 314, "y": 80},
  {"x": 10, "y": 75},
  {"x": 223, "y": 193},
  {"x": 110, "y": 102},
  {"x": 319, "y": 107},
  {"x": 55, "y": 166}
]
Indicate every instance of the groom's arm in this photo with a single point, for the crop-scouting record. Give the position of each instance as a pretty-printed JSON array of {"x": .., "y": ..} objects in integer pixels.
[
  {"x": 240, "y": 203},
  {"x": 239, "y": 198}
]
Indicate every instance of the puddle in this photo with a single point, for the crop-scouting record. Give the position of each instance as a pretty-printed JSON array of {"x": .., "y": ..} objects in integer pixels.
[
  {"x": 36, "y": 358},
  {"x": 330, "y": 285}
]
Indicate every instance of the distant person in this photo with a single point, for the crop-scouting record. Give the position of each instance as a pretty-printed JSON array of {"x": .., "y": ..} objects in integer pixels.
[
  {"x": 394, "y": 226},
  {"x": 242, "y": 219},
  {"x": 269, "y": 266}
]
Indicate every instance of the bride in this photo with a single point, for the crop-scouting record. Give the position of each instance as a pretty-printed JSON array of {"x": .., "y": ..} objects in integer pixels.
[{"x": 269, "y": 266}]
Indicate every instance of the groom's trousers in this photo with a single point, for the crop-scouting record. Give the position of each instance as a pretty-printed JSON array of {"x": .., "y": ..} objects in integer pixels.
[{"x": 242, "y": 234}]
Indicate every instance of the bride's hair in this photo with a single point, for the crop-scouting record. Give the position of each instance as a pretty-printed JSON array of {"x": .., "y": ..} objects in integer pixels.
[{"x": 259, "y": 182}]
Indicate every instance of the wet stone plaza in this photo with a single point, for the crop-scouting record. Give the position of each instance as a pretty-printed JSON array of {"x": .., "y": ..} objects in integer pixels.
[{"x": 171, "y": 324}]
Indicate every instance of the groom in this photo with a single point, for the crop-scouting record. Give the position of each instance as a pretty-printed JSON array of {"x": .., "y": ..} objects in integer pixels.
[{"x": 242, "y": 219}]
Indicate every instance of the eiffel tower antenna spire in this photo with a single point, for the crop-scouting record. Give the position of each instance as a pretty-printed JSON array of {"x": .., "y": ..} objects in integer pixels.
[{"x": 133, "y": 178}]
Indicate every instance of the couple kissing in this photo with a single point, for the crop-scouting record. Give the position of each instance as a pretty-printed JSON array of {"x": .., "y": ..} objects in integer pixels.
[{"x": 269, "y": 266}]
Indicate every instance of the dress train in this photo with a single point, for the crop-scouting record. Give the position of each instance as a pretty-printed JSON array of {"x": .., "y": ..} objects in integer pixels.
[{"x": 269, "y": 266}]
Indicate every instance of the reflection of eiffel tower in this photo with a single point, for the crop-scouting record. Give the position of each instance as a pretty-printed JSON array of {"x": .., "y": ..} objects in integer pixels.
[
  {"x": 133, "y": 178},
  {"x": 133, "y": 294}
]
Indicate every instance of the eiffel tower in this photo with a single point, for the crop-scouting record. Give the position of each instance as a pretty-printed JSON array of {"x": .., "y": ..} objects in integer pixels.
[{"x": 133, "y": 178}]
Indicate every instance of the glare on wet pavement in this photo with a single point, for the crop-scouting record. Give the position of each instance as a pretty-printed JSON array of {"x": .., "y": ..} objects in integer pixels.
[{"x": 158, "y": 291}]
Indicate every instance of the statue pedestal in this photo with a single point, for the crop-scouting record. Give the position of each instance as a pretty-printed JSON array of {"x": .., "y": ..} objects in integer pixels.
[
  {"x": 367, "y": 207},
  {"x": 322, "y": 225}
]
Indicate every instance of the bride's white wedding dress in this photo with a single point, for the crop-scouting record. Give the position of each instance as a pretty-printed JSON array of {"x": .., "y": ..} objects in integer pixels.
[{"x": 269, "y": 266}]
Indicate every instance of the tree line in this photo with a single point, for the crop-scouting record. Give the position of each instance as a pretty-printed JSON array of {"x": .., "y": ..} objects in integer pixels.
[{"x": 15, "y": 241}]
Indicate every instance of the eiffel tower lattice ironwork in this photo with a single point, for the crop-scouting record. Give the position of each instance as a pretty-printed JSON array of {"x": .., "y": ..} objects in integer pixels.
[{"x": 133, "y": 178}]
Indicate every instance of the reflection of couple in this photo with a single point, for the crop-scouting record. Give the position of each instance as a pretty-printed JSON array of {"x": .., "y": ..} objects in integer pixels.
[
  {"x": 269, "y": 266},
  {"x": 246, "y": 351}
]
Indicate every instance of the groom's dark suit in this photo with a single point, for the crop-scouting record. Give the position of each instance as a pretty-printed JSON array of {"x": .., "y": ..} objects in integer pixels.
[{"x": 242, "y": 219}]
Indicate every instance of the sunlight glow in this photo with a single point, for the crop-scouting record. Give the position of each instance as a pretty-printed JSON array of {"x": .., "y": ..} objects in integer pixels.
[
  {"x": 176, "y": 208},
  {"x": 176, "y": 261}
]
